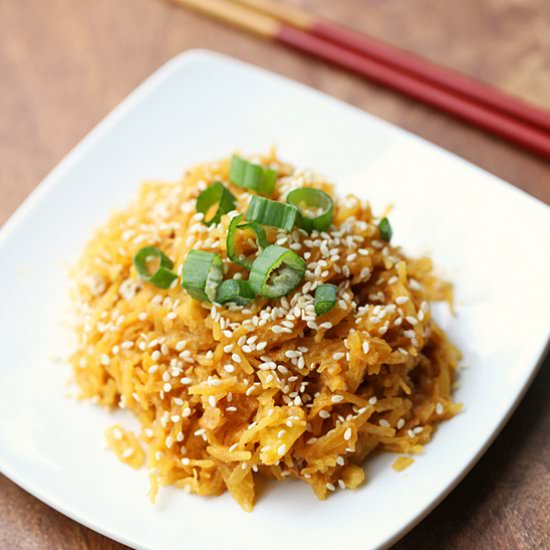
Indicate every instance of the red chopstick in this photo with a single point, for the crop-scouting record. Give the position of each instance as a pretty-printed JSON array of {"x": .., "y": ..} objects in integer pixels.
[
  {"x": 430, "y": 72},
  {"x": 508, "y": 127},
  {"x": 400, "y": 59},
  {"x": 467, "y": 100}
]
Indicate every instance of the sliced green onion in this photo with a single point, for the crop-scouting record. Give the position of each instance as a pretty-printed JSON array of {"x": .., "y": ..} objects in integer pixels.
[
  {"x": 274, "y": 213},
  {"x": 237, "y": 291},
  {"x": 252, "y": 176},
  {"x": 325, "y": 298},
  {"x": 231, "y": 240},
  {"x": 306, "y": 198},
  {"x": 276, "y": 271},
  {"x": 214, "y": 194},
  {"x": 201, "y": 274},
  {"x": 163, "y": 277},
  {"x": 385, "y": 229}
]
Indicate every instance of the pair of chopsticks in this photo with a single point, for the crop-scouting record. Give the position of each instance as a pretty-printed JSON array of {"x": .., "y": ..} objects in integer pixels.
[{"x": 467, "y": 99}]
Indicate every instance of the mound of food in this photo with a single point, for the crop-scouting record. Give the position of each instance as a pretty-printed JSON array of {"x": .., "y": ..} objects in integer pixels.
[{"x": 257, "y": 324}]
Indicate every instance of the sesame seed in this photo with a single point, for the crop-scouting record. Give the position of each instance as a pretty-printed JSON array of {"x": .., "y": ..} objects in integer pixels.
[
  {"x": 180, "y": 345},
  {"x": 365, "y": 347},
  {"x": 128, "y": 453},
  {"x": 373, "y": 400},
  {"x": 331, "y": 487},
  {"x": 229, "y": 368},
  {"x": 341, "y": 484},
  {"x": 281, "y": 450},
  {"x": 415, "y": 285},
  {"x": 340, "y": 461},
  {"x": 324, "y": 414},
  {"x": 167, "y": 387},
  {"x": 439, "y": 408},
  {"x": 186, "y": 381},
  {"x": 401, "y": 300},
  {"x": 347, "y": 434},
  {"x": 337, "y": 398}
]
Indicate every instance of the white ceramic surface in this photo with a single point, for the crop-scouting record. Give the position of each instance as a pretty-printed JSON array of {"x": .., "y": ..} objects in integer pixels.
[{"x": 490, "y": 238}]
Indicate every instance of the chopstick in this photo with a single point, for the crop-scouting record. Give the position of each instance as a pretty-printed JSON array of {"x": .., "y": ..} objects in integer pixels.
[
  {"x": 402, "y": 60},
  {"x": 477, "y": 114}
]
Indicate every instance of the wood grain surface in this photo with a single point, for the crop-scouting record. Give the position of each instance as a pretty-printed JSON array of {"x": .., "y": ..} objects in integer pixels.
[{"x": 64, "y": 64}]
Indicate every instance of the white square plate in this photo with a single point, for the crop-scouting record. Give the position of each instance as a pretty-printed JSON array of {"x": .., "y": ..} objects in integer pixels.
[{"x": 489, "y": 238}]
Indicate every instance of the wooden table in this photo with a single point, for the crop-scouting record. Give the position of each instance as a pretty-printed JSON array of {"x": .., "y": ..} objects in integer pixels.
[{"x": 64, "y": 65}]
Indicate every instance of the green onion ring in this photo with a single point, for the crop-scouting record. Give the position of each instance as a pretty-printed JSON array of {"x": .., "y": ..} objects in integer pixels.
[
  {"x": 325, "y": 298},
  {"x": 312, "y": 198},
  {"x": 276, "y": 271},
  {"x": 237, "y": 291},
  {"x": 163, "y": 277},
  {"x": 201, "y": 274},
  {"x": 218, "y": 194},
  {"x": 231, "y": 245},
  {"x": 274, "y": 213},
  {"x": 385, "y": 229},
  {"x": 252, "y": 176}
]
